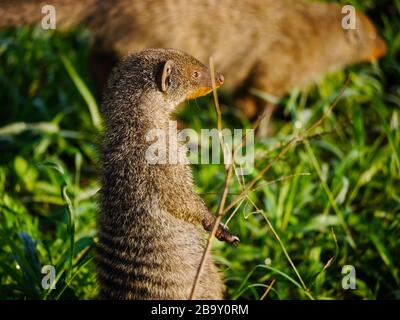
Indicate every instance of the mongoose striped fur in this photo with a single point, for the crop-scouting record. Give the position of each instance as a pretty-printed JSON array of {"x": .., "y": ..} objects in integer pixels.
[{"x": 151, "y": 242}]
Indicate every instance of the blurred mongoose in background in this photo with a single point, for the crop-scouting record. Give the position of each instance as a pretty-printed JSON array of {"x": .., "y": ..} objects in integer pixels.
[
  {"x": 269, "y": 45},
  {"x": 150, "y": 243}
]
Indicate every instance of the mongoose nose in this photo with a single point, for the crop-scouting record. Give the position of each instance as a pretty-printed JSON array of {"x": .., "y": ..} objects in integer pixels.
[
  {"x": 379, "y": 50},
  {"x": 220, "y": 79}
]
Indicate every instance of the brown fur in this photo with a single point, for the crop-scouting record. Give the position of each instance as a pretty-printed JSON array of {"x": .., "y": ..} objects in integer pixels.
[
  {"x": 150, "y": 246},
  {"x": 272, "y": 45}
]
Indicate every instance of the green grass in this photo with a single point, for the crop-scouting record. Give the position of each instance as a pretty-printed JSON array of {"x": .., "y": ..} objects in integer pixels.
[{"x": 332, "y": 201}]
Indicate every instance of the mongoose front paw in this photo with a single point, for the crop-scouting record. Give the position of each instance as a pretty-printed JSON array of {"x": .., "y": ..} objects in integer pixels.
[{"x": 223, "y": 234}]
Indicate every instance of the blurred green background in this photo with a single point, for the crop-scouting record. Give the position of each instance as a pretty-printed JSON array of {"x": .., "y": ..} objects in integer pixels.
[{"x": 332, "y": 201}]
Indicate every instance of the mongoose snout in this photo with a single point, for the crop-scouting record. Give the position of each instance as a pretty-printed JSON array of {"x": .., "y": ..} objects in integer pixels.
[
  {"x": 150, "y": 245},
  {"x": 220, "y": 79},
  {"x": 378, "y": 46},
  {"x": 380, "y": 49}
]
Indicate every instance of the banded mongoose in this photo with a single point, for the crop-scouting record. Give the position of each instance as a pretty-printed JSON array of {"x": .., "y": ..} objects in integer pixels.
[
  {"x": 270, "y": 45},
  {"x": 150, "y": 245}
]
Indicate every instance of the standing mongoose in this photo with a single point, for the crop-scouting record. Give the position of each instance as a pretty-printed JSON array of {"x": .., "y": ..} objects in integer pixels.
[
  {"x": 150, "y": 244},
  {"x": 270, "y": 45}
]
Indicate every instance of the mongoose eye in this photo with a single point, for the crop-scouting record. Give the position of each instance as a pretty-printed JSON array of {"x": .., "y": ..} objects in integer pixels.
[{"x": 196, "y": 74}]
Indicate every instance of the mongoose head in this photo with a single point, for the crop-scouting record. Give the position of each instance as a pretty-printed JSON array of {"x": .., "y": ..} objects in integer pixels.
[
  {"x": 181, "y": 77},
  {"x": 366, "y": 39},
  {"x": 167, "y": 76},
  {"x": 359, "y": 44}
]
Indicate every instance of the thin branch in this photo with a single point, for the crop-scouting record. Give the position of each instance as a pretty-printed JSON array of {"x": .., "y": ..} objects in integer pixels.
[
  {"x": 248, "y": 188},
  {"x": 218, "y": 111},
  {"x": 220, "y": 212},
  {"x": 267, "y": 183},
  {"x": 218, "y": 193},
  {"x": 268, "y": 289},
  {"x": 213, "y": 231},
  {"x": 224, "y": 192},
  {"x": 301, "y": 136}
]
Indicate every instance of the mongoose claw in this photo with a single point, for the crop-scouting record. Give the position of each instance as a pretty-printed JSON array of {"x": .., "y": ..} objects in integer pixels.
[{"x": 223, "y": 234}]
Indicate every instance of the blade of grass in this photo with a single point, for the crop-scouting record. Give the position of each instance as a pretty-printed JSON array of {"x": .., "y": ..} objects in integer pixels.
[
  {"x": 329, "y": 194},
  {"x": 304, "y": 287},
  {"x": 85, "y": 92}
]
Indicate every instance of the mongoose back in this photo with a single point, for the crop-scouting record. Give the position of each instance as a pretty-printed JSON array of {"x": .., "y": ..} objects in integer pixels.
[
  {"x": 150, "y": 243},
  {"x": 271, "y": 45}
]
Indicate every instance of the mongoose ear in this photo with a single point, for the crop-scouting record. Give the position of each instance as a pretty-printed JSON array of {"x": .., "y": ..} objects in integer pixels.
[{"x": 165, "y": 75}]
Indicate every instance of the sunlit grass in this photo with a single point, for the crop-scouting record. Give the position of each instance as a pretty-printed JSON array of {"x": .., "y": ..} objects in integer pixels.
[{"x": 333, "y": 200}]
